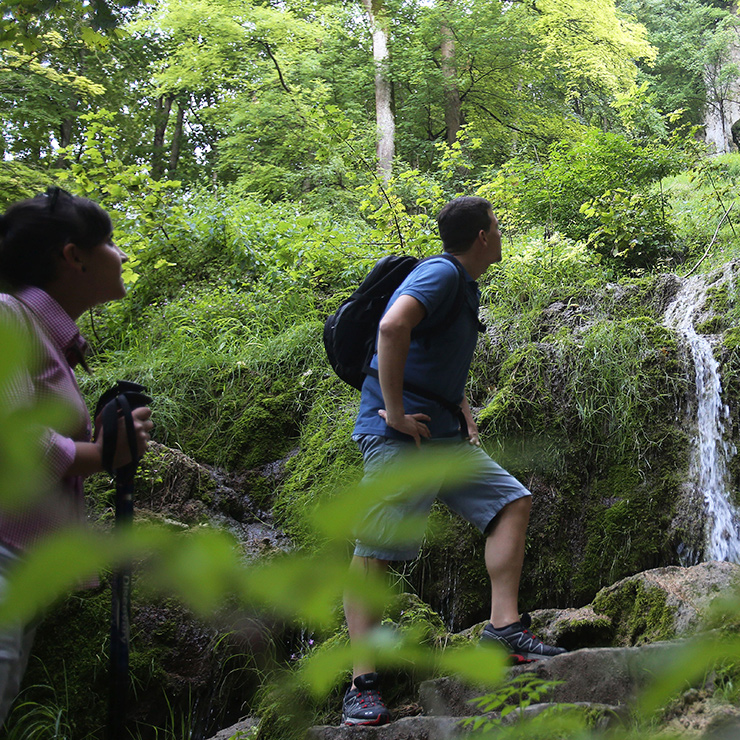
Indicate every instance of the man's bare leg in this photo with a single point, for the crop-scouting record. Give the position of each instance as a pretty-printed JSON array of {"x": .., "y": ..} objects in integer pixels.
[
  {"x": 361, "y": 619},
  {"x": 504, "y": 558}
]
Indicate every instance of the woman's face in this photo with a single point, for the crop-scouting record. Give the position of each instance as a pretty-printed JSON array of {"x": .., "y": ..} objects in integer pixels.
[{"x": 103, "y": 272}]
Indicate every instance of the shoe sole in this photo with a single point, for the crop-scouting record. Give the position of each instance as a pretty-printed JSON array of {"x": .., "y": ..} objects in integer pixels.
[
  {"x": 517, "y": 658},
  {"x": 533, "y": 657},
  {"x": 350, "y": 722}
]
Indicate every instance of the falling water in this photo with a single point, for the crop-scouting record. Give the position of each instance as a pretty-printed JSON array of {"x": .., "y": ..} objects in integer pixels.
[{"x": 711, "y": 451}]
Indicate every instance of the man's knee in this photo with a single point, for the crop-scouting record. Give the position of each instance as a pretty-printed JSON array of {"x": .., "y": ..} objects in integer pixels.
[
  {"x": 368, "y": 564},
  {"x": 522, "y": 505},
  {"x": 519, "y": 508}
]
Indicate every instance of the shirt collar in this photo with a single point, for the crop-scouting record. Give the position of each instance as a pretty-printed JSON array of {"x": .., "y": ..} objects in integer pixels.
[{"x": 58, "y": 323}]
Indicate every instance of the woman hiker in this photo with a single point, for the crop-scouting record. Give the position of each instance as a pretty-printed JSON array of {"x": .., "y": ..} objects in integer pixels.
[{"x": 57, "y": 259}]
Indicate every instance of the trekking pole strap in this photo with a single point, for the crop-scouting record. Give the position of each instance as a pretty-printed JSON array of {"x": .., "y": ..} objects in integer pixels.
[{"x": 123, "y": 397}]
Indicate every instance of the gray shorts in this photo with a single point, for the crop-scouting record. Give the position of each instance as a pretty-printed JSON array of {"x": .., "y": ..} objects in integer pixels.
[{"x": 392, "y": 529}]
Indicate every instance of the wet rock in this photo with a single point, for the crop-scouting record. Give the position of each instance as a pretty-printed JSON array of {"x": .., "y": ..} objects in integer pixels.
[
  {"x": 665, "y": 290},
  {"x": 179, "y": 492},
  {"x": 408, "y": 728},
  {"x": 665, "y": 602},
  {"x": 572, "y": 628},
  {"x": 241, "y": 730},
  {"x": 568, "y": 313},
  {"x": 600, "y": 676}
]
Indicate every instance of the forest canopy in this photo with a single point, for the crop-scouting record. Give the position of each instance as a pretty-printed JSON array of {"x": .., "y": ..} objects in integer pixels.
[
  {"x": 377, "y": 111},
  {"x": 279, "y": 98}
]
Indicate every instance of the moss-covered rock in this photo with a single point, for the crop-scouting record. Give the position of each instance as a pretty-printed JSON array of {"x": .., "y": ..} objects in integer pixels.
[
  {"x": 450, "y": 573},
  {"x": 327, "y": 460},
  {"x": 583, "y": 411},
  {"x": 663, "y": 603},
  {"x": 69, "y": 664}
]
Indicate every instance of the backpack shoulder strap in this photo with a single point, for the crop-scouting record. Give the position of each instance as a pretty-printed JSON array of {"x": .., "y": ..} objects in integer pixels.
[{"x": 460, "y": 298}]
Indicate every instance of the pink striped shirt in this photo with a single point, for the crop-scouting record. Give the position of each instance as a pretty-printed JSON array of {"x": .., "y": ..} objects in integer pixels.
[{"x": 50, "y": 330}]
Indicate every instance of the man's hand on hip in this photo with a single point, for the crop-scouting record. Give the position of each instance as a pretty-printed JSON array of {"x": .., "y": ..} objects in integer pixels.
[{"x": 411, "y": 424}]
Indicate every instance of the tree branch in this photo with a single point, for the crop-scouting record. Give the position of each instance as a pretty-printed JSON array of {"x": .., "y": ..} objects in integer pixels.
[
  {"x": 714, "y": 239},
  {"x": 277, "y": 66}
]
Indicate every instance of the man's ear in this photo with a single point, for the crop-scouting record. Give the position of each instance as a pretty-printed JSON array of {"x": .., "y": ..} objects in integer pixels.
[{"x": 72, "y": 257}]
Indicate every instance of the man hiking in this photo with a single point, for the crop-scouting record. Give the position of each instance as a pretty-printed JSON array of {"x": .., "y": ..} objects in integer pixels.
[{"x": 395, "y": 420}]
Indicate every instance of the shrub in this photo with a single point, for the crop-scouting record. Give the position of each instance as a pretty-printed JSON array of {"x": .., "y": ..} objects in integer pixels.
[
  {"x": 551, "y": 192},
  {"x": 633, "y": 233}
]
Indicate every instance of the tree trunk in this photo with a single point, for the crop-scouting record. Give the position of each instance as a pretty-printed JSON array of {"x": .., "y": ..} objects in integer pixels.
[
  {"x": 383, "y": 91},
  {"x": 161, "y": 117},
  {"x": 65, "y": 131},
  {"x": 176, "y": 141},
  {"x": 453, "y": 118},
  {"x": 66, "y": 127}
]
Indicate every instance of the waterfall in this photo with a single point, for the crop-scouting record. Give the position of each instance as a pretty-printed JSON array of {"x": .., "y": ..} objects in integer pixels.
[{"x": 710, "y": 449}]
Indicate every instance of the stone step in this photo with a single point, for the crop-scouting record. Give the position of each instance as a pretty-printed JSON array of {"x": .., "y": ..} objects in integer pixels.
[
  {"x": 407, "y": 728},
  {"x": 607, "y": 676},
  {"x": 447, "y": 728},
  {"x": 603, "y": 681}
]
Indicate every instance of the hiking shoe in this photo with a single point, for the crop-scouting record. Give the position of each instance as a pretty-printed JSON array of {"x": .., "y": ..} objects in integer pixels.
[
  {"x": 519, "y": 642},
  {"x": 362, "y": 703}
]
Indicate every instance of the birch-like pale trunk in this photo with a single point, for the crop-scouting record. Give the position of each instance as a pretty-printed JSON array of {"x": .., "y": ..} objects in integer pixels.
[
  {"x": 386, "y": 124},
  {"x": 162, "y": 109},
  {"x": 453, "y": 118}
]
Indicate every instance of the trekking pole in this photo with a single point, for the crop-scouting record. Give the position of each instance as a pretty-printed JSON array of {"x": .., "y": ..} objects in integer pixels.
[{"x": 115, "y": 403}]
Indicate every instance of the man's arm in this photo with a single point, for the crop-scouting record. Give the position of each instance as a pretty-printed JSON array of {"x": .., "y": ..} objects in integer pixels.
[
  {"x": 394, "y": 338},
  {"x": 473, "y": 436}
]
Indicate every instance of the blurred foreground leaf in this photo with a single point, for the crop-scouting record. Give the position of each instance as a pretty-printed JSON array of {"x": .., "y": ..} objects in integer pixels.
[
  {"x": 409, "y": 477},
  {"x": 475, "y": 664},
  {"x": 21, "y": 429},
  {"x": 685, "y": 665},
  {"x": 55, "y": 566}
]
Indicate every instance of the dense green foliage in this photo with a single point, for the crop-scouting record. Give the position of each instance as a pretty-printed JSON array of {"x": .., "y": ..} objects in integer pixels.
[
  {"x": 693, "y": 39},
  {"x": 233, "y": 142}
]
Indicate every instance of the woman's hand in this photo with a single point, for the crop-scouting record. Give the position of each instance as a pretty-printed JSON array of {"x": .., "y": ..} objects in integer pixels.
[
  {"x": 89, "y": 455},
  {"x": 143, "y": 426}
]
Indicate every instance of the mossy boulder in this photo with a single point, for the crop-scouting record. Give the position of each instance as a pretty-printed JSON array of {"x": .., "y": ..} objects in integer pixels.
[
  {"x": 665, "y": 603},
  {"x": 185, "y": 673},
  {"x": 584, "y": 415}
]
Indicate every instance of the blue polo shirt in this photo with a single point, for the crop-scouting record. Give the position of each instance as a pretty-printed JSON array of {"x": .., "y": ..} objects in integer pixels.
[{"x": 437, "y": 361}]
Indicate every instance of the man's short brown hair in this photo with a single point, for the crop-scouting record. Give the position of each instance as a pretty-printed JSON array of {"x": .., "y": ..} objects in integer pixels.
[{"x": 461, "y": 220}]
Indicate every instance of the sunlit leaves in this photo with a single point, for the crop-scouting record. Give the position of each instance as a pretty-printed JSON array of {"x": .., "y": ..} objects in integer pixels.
[
  {"x": 22, "y": 21},
  {"x": 141, "y": 207},
  {"x": 589, "y": 42},
  {"x": 693, "y": 39}
]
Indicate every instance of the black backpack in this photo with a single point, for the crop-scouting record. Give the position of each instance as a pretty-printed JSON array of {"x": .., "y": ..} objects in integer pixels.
[{"x": 349, "y": 333}]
